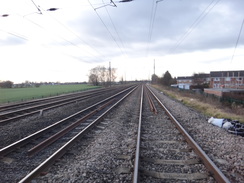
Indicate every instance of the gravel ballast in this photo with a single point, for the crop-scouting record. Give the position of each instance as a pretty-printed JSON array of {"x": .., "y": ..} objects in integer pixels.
[
  {"x": 225, "y": 150},
  {"x": 106, "y": 154}
]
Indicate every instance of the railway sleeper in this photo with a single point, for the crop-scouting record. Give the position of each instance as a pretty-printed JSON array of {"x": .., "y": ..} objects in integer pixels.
[{"x": 175, "y": 176}]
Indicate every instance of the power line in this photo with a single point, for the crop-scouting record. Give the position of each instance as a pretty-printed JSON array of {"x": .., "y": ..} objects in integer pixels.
[
  {"x": 69, "y": 30},
  {"x": 43, "y": 28},
  {"x": 105, "y": 26},
  {"x": 40, "y": 10},
  {"x": 16, "y": 35},
  {"x": 151, "y": 26},
  {"x": 64, "y": 26},
  {"x": 153, "y": 12},
  {"x": 194, "y": 24},
  {"x": 237, "y": 40},
  {"x": 115, "y": 28}
]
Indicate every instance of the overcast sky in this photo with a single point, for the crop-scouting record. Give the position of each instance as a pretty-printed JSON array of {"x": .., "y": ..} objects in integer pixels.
[{"x": 182, "y": 36}]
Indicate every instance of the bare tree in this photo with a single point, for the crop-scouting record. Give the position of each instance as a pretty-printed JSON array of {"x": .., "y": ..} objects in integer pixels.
[
  {"x": 100, "y": 75},
  {"x": 6, "y": 84},
  {"x": 93, "y": 79}
]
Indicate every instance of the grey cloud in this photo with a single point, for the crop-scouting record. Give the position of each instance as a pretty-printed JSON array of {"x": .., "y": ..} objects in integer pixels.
[{"x": 173, "y": 22}]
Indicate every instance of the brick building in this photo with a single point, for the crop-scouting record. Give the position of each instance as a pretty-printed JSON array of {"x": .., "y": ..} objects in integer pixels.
[
  {"x": 228, "y": 84},
  {"x": 227, "y": 79},
  {"x": 201, "y": 79},
  {"x": 191, "y": 82}
]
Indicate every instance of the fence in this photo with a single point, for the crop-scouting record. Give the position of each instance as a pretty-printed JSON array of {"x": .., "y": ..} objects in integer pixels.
[{"x": 223, "y": 99}]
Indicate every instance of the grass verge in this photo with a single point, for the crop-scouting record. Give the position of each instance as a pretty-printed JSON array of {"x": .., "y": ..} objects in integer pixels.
[{"x": 203, "y": 105}]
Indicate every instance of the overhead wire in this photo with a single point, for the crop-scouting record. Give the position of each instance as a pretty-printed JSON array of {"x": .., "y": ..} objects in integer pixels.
[
  {"x": 69, "y": 30},
  {"x": 44, "y": 12},
  {"x": 43, "y": 28},
  {"x": 151, "y": 26},
  {"x": 62, "y": 38},
  {"x": 204, "y": 13},
  {"x": 152, "y": 18},
  {"x": 76, "y": 35},
  {"x": 115, "y": 30},
  {"x": 237, "y": 41},
  {"x": 106, "y": 27},
  {"x": 15, "y": 34}
]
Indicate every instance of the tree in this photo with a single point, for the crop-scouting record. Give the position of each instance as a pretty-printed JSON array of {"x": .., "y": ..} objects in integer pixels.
[
  {"x": 100, "y": 75},
  {"x": 6, "y": 84},
  {"x": 121, "y": 80},
  {"x": 155, "y": 79},
  {"x": 174, "y": 81},
  {"x": 166, "y": 79},
  {"x": 93, "y": 79}
]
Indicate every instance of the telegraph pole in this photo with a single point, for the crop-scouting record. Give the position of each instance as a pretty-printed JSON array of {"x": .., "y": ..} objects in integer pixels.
[
  {"x": 154, "y": 67},
  {"x": 110, "y": 74}
]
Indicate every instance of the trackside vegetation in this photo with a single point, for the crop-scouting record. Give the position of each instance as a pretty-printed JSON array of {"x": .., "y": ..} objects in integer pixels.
[
  {"x": 208, "y": 107},
  {"x": 22, "y": 94}
]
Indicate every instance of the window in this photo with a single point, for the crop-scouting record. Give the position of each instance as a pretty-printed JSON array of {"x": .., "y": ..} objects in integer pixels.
[
  {"x": 227, "y": 79},
  {"x": 216, "y": 79}
]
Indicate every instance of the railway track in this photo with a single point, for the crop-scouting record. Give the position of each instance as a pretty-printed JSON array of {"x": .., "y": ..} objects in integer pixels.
[
  {"x": 9, "y": 113},
  {"x": 161, "y": 152},
  {"x": 165, "y": 151},
  {"x": 57, "y": 138}
]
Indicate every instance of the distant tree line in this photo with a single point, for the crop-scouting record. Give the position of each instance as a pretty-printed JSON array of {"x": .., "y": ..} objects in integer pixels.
[
  {"x": 29, "y": 84},
  {"x": 101, "y": 75},
  {"x": 165, "y": 80}
]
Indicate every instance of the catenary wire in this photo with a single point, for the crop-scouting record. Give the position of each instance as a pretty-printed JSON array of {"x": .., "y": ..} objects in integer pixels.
[
  {"x": 26, "y": 38},
  {"x": 115, "y": 29},
  {"x": 152, "y": 17},
  {"x": 204, "y": 13},
  {"x": 237, "y": 40},
  {"x": 44, "y": 12},
  {"x": 15, "y": 34},
  {"x": 72, "y": 32},
  {"x": 111, "y": 35},
  {"x": 151, "y": 26},
  {"x": 40, "y": 11}
]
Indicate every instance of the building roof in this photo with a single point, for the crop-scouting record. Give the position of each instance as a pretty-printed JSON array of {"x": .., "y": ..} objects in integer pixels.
[
  {"x": 224, "y": 89},
  {"x": 227, "y": 73},
  {"x": 184, "y": 78},
  {"x": 201, "y": 75}
]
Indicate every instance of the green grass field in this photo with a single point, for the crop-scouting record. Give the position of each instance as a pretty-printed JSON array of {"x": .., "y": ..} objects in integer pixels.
[{"x": 22, "y": 94}]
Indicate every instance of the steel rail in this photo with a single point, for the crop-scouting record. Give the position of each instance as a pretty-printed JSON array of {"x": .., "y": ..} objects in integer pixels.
[
  {"x": 2, "y": 122},
  {"x": 213, "y": 169},
  {"x": 152, "y": 105},
  {"x": 37, "y": 134},
  {"x": 60, "y": 152},
  {"x": 64, "y": 131},
  {"x": 40, "y": 110},
  {"x": 40, "y": 106},
  {"x": 138, "y": 143}
]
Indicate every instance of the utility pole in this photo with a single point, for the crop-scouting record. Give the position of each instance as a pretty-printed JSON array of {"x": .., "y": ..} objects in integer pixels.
[
  {"x": 110, "y": 74},
  {"x": 154, "y": 67}
]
